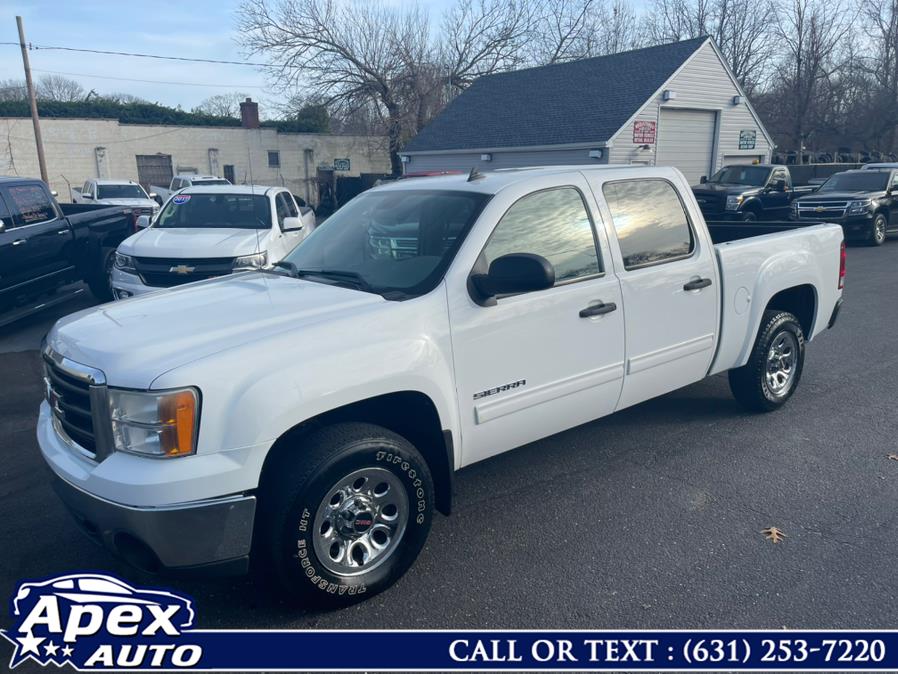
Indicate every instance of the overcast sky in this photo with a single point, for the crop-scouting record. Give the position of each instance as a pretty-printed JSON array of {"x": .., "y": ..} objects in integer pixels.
[{"x": 191, "y": 28}]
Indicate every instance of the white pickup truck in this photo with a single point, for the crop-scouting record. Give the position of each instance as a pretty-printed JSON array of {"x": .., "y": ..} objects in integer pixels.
[
  {"x": 116, "y": 193},
  {"x": 208, "y": 231},
  {"x": 183, "y": 181},
  {"x": 312, "y": 415}
]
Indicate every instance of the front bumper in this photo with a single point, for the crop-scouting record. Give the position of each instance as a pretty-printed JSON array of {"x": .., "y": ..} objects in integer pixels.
[
  {"x": 211, "y": 535},
  {"x": 125, "y": 285},
  {"x": 854, "y": 226}
]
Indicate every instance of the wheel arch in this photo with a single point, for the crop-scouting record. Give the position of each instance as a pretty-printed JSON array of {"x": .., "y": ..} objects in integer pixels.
[
  {"x": 799, "y": 300},
  {"x": 411, "y": 414}
]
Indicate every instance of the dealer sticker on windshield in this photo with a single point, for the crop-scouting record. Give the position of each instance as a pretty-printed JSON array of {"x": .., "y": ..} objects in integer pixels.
[{"x": 181, "y": 199}]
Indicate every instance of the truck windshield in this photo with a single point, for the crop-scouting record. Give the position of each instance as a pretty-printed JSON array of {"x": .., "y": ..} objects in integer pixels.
[
  {"x": 397, "y": 243},
  {"x": 860, "y": 181},
  {"x": 120, "y": 192},
  {"x": 209, "y": 182},
  {"x": 741, "y": 175},
  {"x": 233, "y": 211}
]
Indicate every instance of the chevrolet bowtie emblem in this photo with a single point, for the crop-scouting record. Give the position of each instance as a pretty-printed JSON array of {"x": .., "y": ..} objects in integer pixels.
[
  {"x": 181, "y": 269},
  {"x": 819, "y": 209}
]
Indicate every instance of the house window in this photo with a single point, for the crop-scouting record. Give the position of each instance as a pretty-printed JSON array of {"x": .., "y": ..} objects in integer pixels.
[{"x": 274, "y": 159}]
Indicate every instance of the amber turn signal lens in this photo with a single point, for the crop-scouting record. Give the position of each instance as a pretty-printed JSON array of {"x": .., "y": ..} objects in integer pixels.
[{"x": 177, "y": 412}]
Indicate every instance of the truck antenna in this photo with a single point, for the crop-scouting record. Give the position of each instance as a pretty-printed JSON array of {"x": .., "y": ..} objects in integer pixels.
[{"x": 474, "y": 175}]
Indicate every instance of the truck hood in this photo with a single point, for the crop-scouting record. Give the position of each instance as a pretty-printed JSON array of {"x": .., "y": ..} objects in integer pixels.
[
  {"x": 724, "y": 189},
  {"x": 195, "y": 242},
  {"x": 842, "y": 196},
  {"x": 136, "y": 340},
  {"x": 133, "y": 203}
]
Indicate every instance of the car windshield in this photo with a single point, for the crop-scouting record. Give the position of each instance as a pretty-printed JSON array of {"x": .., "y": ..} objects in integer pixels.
[
  {"x": 741, "y": 175},
  {"x": 860, "y": 181},
  {"x": 120, "y": 192},
  {"x": 236, "y": 211},
  {"x": 397, "y": 243}
]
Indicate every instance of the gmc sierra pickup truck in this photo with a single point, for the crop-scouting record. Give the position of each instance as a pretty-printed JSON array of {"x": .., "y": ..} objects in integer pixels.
[
  {"x": 47, "y": 248},
  {"x": 311, "y": 415},
  {"x": 748, "y": 193}
]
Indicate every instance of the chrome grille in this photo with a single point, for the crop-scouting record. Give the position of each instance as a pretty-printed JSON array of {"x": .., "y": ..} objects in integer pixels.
[
  {"x": 77, "y": 398},
  {"x": 819, "y": 210}
]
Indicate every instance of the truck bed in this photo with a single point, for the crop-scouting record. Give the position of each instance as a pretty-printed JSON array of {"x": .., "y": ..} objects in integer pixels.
[{"x": 725, "y": 231}]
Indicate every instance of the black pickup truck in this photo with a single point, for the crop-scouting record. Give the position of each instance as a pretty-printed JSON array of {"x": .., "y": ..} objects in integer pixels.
[
  {"x": 864, "y": 202},
  {"x": 748, "y": 192},
  {"x": 46, "y": 247}
]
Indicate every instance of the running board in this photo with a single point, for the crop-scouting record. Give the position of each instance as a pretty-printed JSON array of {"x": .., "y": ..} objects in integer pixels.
[{"x": 27, "y": 310}]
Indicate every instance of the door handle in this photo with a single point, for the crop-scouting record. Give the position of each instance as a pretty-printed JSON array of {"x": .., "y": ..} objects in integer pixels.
[
  {"x": 62, "y": 231},
  {"x": 597, "y": 309},
  {"x": 19, "y": 242},
  {"x": 698, "y": 284}
]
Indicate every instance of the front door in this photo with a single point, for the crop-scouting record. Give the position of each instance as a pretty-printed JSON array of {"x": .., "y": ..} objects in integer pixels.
[
  {"x": 777, "y": 201},
  {"x": 669, "y": 284},
  {"x": 537, "y": 363},
  {"x": 283, "y": 241}
]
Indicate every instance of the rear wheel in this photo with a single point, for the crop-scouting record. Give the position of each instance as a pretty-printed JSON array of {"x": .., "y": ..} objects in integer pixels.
[
  {"x": 877, "y": 235},
  {"x": 773, "y": 370},
  {"x": 344, "y": 516}
]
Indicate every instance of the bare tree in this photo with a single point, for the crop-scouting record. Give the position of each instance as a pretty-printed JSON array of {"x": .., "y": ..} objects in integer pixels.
[
  {"x": 58, "y": 88},
  {"x": 565, "y": 31},
  {"x": 13, "y": 90},
  {"x": 221, "y": 105},
  {"x": 618, "y": 29}
]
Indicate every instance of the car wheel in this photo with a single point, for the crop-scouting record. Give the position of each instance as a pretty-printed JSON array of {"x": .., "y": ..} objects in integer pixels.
[
  {"x": 749, "y": 216},
  {"x": 773, "y": 370},
  {"x": 101, "y": 283},
  {"x": 878, "y": 230},
  {"x": 344, "y": 516}
]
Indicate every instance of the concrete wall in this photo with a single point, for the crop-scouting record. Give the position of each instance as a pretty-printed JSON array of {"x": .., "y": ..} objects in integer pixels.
[
  {"x": 71, "y": 147},
  {"x": 702, "y": 84}
]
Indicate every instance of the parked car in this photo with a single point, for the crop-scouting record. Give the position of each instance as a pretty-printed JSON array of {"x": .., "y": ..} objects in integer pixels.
[
  {"x": 314, "y": 412},
  {"x": 864, "y": 202},
  {"x": 183, "y": 181},
  {"x": 880, "y": 166},
  {"x": 748, "y": 192},
  {"x": 209, "y": 231},
  {"x": 116, "y": 193},
  {"x": 47, "y": 247}
]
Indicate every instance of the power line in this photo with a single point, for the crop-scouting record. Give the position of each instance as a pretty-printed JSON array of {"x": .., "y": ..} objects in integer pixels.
[
  {"x": 131, "y": 79},
  {"x": 140, "y": 55}
]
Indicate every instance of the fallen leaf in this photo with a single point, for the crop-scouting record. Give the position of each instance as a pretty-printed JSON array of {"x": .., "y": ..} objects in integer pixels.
[
  {"x": 893, "y": 457},
  {"x": 773, "y": 534}
]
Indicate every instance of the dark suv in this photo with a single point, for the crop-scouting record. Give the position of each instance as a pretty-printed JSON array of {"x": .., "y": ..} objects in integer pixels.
[{"x": 864, "y": 202}]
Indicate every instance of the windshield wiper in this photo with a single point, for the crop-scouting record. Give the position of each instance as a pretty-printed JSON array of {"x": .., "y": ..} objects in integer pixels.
[
  {"x": 292, "y": 271},
  {"x": 338, "y": 274}
]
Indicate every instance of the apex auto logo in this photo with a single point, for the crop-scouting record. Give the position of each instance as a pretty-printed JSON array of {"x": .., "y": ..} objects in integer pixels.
[{"x": 96, "y": 621}]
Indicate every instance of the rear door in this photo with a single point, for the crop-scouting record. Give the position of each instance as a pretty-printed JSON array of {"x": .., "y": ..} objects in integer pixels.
[
  {"x": 40, "y": 238},
  {"x": 669, "y": 284},
  {"x": 539, "y": 362}
]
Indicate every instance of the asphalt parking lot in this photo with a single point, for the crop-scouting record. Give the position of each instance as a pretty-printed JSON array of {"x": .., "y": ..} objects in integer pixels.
[{"x": 649, "y": 518}]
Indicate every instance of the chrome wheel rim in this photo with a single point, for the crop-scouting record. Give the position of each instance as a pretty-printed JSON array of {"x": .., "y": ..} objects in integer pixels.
[
  {"x": 782, "y": 359},
  {"x": 360, "y": 521},
  {"x": 879, "y": 230}
]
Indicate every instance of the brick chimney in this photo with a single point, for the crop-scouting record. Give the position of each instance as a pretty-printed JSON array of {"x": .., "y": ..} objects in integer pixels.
[{"x": 249, "y": 114}]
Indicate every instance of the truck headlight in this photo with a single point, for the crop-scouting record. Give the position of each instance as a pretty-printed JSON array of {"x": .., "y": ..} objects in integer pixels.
[
  {"x": 160, "y": 424},
  {"x": 256, "y": 261},
  {"x": 734, "y": 201},
  {"x": 124, "y": 262},
  {"x": 861, "y": 207}
]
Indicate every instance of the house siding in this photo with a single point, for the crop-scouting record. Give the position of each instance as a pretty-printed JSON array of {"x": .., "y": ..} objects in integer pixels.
[{"x": 702, "y": 84}]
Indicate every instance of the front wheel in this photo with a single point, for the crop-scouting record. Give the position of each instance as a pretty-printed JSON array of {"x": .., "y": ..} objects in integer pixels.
[
  {"x": 878, "y": 230},
  {"x": 100, "y": 283},
  {"x": 344, "y": 515},
  {"x": 749, "y": 216},
  {"x": 773, "y": 370}
]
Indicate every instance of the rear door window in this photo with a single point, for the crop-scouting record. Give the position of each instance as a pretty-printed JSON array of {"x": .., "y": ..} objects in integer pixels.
[
  {"x": 30, "y": 204},
  {"x": 651, "y": 224}
]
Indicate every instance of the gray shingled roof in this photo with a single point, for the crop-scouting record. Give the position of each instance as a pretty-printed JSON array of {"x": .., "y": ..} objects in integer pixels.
[{"x": 576, "y": 102}]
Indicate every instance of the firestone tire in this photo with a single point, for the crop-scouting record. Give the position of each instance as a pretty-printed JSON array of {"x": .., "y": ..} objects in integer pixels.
[
  {"x": 774, "y": 368},
  {"x": 343, "y": 517}
]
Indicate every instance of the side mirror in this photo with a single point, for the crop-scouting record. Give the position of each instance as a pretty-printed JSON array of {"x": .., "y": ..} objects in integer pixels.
[
  {"x": 86, "y": 196},
  {"x": 153, "y": 195},
  {"x": 703, "y": 179},
  {"x": 2, "y": 226},
  {"x": 143, "y": 221},
  {"x": 515, "y": 273},
  {"x": 779, "y": 185},
  {"x": 292, "y": 224},
  {"x": 54, "y": 193}
]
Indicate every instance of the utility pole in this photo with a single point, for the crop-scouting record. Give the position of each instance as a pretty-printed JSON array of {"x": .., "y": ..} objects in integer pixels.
[{"x": 34, "y": 118}]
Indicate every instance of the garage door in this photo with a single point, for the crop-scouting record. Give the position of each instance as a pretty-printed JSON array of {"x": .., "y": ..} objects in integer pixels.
[
  {"x": 686, "y": 140},
  {"x": 154, "y": 169}
]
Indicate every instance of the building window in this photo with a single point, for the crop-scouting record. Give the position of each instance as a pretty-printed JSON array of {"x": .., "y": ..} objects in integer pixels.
[{"x": 274, "y": 159}]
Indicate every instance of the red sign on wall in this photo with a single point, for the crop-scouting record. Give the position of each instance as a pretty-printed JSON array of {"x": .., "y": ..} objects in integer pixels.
[{"x": 644, "y": 133}]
